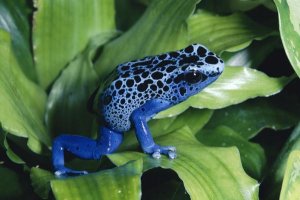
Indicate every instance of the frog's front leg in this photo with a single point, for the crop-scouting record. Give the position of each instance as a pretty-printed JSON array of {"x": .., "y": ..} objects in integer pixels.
[
  {"x": 83, "y": 147},
  {"x": 139, "y": 117}
]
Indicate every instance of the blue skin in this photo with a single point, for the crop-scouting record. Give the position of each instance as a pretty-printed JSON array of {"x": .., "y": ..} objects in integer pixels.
[{"x": 139, "y": 90}]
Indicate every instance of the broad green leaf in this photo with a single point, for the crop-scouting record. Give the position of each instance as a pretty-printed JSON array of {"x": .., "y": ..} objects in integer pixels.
[
  {"x": 118, "y": 183},
  {"x": 62, "y": 29},
  {"x": 207, "y": 173},
  {"x": 67, "y": 103},
  {"x": 235, "y": 85},
  {"x": 249, "y": 118},
  {"x": 195, "y": 119},
  {"x": 161, "y": 28},
  {"x": 253, "y": 55},
  {"x": 276, "y": 174},
  {"x": 230, "y": 6},
  {"x": 225, "y": 33},
  {"x": 289, "y": 17},
  {"x": 22, "y": 103},
  {"x": 10, "y": 186},
  {"x": 252, "y": 155},
  {"x": 145, "y": 2},
  {"x": 9, "y": 152},
  {"x": 40, "y": 181},
  {"x": 14, "y": 19},
  {"x": 291, "y": 181},
  {"x": 127, "y": 13},
  {"x": 270, "y": 5}
]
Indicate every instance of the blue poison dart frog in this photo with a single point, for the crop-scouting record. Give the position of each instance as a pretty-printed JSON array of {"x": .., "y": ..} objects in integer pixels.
[{"x": 133, "y": 94}]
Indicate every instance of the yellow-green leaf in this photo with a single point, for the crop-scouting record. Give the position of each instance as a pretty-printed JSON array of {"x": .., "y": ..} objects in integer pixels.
[
  {"x": 62, "y": 29},
  {"x": 22, "y": 103},
  {"x": 118, "y": 183},
  {"x": 207, "y": 172},
  {"x": 291, "y": 181},
  {"x": 289, "y": 26},
  {"x": 235, "y": 85},
  {"x": 161, "y": 28},
  {"x": 225, "y": 33},
  {"x": 275, "y": 176},
  {"x": 68, "y": 98},
  {"x": 252, "y": 155},
  {"x": 14, "y": 19}
]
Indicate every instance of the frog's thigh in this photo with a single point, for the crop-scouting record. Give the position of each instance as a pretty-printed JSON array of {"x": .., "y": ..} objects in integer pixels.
[
  {"x": 139, "y": 118},
  {"x": 84, "y": 147}
]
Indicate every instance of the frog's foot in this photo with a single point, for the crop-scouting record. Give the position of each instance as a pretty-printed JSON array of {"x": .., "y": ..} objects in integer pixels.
[
  {"x": 157, "y": 150},
  {"x": 64, "y": 172}
]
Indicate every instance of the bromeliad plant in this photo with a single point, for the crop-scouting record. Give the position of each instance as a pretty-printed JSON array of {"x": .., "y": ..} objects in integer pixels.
[{"x": 229, "y": 137}]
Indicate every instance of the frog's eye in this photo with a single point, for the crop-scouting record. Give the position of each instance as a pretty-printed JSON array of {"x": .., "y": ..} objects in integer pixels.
[{"x": 193, "y": 76}]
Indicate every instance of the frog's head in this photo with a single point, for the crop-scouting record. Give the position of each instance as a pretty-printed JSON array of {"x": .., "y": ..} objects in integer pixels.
[{"x": 199, "y": 68}]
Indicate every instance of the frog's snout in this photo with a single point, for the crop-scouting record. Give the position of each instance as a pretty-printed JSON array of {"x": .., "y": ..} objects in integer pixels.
[{"x": 213, "y": 66}]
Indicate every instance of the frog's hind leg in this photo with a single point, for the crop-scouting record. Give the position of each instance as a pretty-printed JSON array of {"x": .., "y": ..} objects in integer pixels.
[{"x": 84, "y": 148}]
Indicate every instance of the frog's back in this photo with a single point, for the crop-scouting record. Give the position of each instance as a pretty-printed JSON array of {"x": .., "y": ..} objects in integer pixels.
[{"x": 136, "y": 82}]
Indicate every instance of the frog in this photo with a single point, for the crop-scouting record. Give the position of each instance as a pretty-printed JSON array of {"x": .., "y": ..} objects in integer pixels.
[{"x": 132, "y": 95}]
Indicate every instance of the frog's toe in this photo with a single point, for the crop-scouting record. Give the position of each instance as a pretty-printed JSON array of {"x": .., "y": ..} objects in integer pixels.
[
  {"x": 172, "y": 154},
  {"x": 156, "y": 155},
  {"x": 63, "y": 172},
  {"x": 170, "y": 151}
]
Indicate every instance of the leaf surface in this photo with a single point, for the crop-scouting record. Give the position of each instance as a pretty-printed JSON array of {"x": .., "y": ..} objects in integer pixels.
[
  {"x": 281, "y": 166},
  {"x": 252, "y": 155},
  {"x": 118, "y": 183},
  {"x": 289, "y": 18},
  {"x": 250, "y": 117},
  {"x": 207, "y": 172},
  {"x": 40, "y": 181},
  {"x": 14, "y": 19},
  {"x": 62, "y": 29},
  {"x": 22, "y": 103},
  {"x": 225, "y": 33},
  {"x": 10, "y": 186},
  {"x": 161, "y": 28},
  {"x": 67, "y": 104},
  {"x": 234, "y": 86},
  {"x": 291, "y": 181}
]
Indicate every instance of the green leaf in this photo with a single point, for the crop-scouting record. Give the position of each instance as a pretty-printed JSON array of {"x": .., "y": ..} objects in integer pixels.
[
  {"x": 127, "y": 13},
  {"x": 10, "y": 186},
  {"x": 225, "y": 33},
  {"x": 22, "y": 103},
  {"x": 14, "y": 19},
  {"x": 235, "y": 85},
  {"x": 9, "y": 152},
  {"x": 276, "y": 174},
  {"x": 291, "y": 181},
  {"x": 206, "y": 172},
  {"x": 40, "y": 181},
  {"x": 229, "y": 6},
  {"x": 67, "y": 102},
  {"x": 118, "y": 183},
  {"x": 253, "y": 55},
  {"x": 161, "y": 28},
  {"x": 289, "y": 17},
  {"x": 62, "y": 29},
  {"x": 159, "y": 127},
  {"x": 249, "y": 118},
  {"x": 252, "y": 155}
]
